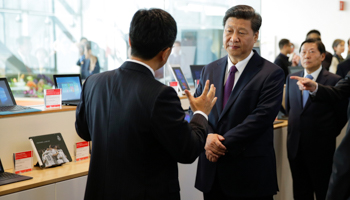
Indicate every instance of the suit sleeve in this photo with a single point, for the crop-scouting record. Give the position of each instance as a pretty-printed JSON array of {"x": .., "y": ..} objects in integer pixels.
[
  {"x": 333, "y": 94},
  {"x": 197, "y": 93},
  {"x": 339, "y": 184},
  {"x": 184, "y": 141},
  {"x": 261, "y": 118},
  {"x": 81, "y": 125},
  {"x": 341, "y": 110}
]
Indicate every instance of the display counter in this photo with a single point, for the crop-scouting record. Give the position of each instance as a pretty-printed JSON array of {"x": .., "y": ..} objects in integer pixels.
[
  {"x": 43, "y": 177},
  {"x": 16, "y": 129}
]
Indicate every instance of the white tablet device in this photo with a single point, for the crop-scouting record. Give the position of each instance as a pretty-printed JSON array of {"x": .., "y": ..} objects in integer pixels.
[{"x": 180, "y": 78}]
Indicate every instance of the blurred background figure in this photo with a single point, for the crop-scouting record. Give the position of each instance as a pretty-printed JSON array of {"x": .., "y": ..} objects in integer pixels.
[
  {"x": 80, "y": 46},
  {"x": 176, "y": 54},
  {"x": 293, "y": 57},
  {"x": 90, "y": 64},
  {"x": 348, "y": 55},
  {"x": 338, "y": 47},
  {"x": 282, "y": 60}
]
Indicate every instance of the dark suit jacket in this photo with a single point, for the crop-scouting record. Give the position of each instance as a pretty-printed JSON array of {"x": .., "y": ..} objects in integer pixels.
[
  {"x": 343, "y": 68},
  {"x": 249, "y": 167},
  {"x": 282, "y": 61},
  {"x": 138, "y": 133},
  {"x": 339, "y": 185},
  {"x": 317, "y": 125}
]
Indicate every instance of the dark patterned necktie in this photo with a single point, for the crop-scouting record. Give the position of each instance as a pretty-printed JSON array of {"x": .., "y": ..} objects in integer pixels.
[{"x": 229, "y": 85}]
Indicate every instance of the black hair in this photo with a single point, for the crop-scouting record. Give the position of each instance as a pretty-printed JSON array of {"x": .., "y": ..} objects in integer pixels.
[
  {"x": 283, "y": 42},
  {"x": 244, "y": 12},
  {"x": 320, "y": 46},
  {"x": 151, "y": 31},
  {"x": 314, "y": 31}
]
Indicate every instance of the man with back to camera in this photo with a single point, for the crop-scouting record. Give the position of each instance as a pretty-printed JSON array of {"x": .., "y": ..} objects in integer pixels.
[
  {"x": 315, "y": 34},
  {"x": 239, "y": 159},
  {"x": 339, "y": 184},
  {"x": 282, "y": 59},
  {"x": 136, "y": 124},
  {"x": 312, "y": 126}
]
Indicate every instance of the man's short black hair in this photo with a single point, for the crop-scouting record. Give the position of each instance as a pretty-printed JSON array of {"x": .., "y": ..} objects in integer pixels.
[
  {"x": 244, "y": 12},
  {"x": 151, "y": 31},
  {"x": 320, "y": 46},
  {"x": 283, "y": 42},
  {"x": 315, "y": 32}
]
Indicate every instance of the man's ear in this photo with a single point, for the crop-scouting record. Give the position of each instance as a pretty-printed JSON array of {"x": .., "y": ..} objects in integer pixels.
[
  {"x": 129, "y": 42},
  {"x": 256, "y": 36},
  {"x": 166, "y": 53}
]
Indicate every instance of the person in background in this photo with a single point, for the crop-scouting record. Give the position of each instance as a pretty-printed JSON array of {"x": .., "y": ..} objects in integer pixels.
[
  {"x": 312, "y": 126},
  {"x": 343, "y": 68},
  {"x": 282, "y": 59},
  {"x": 136, "y": 124},
  {"x": 338, "y": 47},
  {"x": 315, "y": 34},
  {"x": 80, "y": 46},
  {"x": 239, "y": 159},
  {"x": 339, "y": 184},
  {"x": 293, "y": 57},
  {"x": 90, "y": 64},
  {"x": 348, "y": 55}
]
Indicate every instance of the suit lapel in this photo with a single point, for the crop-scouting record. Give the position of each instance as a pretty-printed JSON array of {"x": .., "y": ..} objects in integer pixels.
[
  {"x": 218, "y": 81},
  {"x": 252, "y": 68},
  {"x": 322, "y": 79}
]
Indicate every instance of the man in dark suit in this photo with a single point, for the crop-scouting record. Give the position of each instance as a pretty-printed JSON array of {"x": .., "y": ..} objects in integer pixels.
[
  {"x": 312, "y": 126},
  {"x": 315, "y": 34},
  {"x": 282, "y": 58},
  {"x": 239, "y": 158},
  {"x": 339, "y": 185},
  {"x": 343, "y": 68},
  {"x": 136, "y": 124}
]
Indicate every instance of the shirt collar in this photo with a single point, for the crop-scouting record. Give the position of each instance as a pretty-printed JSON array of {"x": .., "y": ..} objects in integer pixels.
[
  {"x": 141, "y": 63},
  {"x": 241, "y": 64},
  {"x": 314, "y": 74}
]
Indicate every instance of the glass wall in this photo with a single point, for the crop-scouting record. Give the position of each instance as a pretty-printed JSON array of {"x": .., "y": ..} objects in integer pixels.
[{"x": 39, "y": 38}]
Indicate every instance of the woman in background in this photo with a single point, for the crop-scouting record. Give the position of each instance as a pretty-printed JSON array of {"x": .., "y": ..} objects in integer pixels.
[
  {"x": 90, "y": 64},
  {"x": 338, "y": 47}
]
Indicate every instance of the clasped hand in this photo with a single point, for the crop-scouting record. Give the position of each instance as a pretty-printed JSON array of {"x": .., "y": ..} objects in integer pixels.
[{"x": 214, "y": 149}]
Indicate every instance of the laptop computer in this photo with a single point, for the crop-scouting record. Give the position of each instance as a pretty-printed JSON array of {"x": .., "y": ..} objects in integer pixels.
[
  {"x": 196, "y": 72},
  {"x": 8, "y": 104},
  {"x": 7, "y": 177},
  {"x": 70, "y": 85}
]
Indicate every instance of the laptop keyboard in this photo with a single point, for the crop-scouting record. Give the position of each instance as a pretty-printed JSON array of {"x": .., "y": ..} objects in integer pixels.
[
  {"x": 6, "y": 175},
  {"x": 13, "y": 108}
]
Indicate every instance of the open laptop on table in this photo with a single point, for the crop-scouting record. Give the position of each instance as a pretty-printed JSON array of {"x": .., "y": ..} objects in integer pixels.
[
  {"x": 6, "y": 177},
  {"x": 70, "y": 85},
  {"x": 8, "y": 104}
]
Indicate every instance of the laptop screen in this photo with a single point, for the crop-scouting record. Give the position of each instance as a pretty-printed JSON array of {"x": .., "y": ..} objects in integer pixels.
[
  {"x": 6, "y": 97},
  {"x": 70, "y": 85}
]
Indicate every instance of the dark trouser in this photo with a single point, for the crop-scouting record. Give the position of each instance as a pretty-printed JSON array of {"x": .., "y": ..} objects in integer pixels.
[
  {"x": 311, "y": 175},
  {"x": 217, "y": 194}
]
